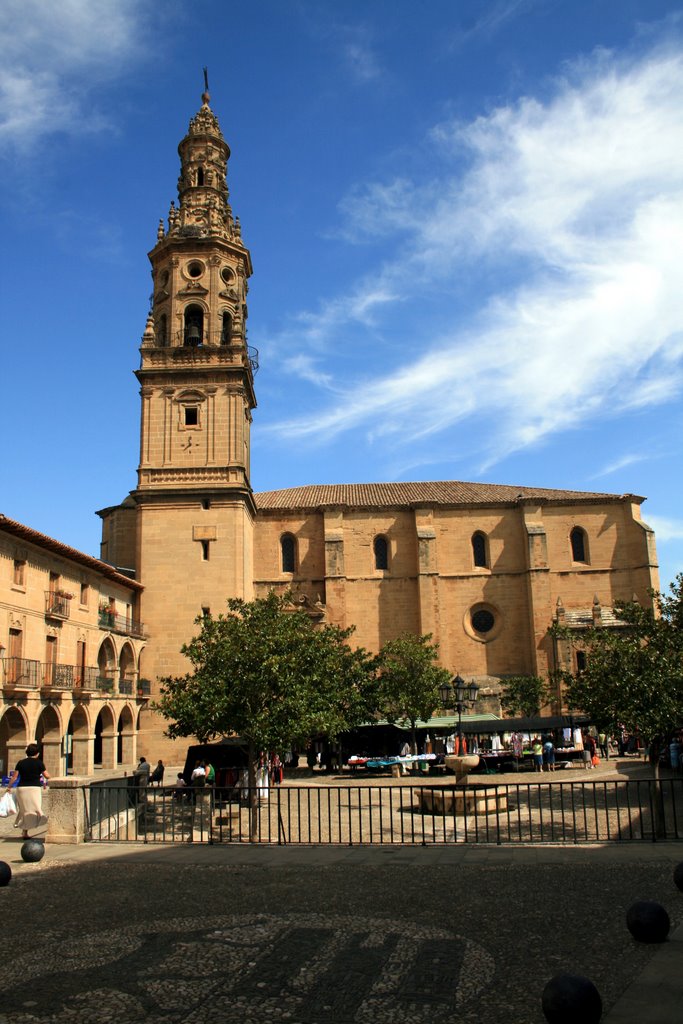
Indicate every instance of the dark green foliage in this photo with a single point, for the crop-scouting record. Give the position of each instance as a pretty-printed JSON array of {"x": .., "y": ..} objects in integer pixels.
[
  {"x": 410, "y": 679},
  {"x": 634, "y": 674},
  {"x": 269, "y": 675},
  {"x": 524, "y": 695}
]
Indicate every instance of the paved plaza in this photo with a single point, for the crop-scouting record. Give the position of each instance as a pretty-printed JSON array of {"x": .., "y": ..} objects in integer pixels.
[{"x": 190, "y": 933}]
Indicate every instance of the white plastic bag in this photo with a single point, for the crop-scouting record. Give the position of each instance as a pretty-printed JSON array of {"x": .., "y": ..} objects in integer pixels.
[{"x": 7, "y": 805}]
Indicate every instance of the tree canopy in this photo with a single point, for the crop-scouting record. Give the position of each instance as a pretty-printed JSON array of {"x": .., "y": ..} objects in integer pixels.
[
  {"x": 524, "y": 695},
  {"x": 634, "y": 673},
  {"x": 266, "y": 673},
  {"x": 410, "y": 679}
]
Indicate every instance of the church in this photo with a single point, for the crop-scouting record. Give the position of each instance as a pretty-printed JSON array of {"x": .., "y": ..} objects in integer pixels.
[{"x": 484, "y": 568}]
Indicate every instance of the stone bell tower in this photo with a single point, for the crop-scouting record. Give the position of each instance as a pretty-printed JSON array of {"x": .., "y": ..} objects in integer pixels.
[{"x": 195, "y": 509}]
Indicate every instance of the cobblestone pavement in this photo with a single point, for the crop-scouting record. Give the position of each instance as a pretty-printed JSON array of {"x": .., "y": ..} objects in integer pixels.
[{"x": 198, "y": 934}]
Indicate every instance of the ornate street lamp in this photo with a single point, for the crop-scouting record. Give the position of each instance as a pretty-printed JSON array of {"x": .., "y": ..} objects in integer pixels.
[{"x": 458, "y": 694}]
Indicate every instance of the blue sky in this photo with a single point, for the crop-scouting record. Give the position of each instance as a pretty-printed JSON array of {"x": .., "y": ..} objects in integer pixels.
[{"x": 466, "y": 222}]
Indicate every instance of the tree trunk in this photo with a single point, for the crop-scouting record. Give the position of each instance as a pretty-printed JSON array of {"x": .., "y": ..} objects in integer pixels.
[{"x": 658, "y": 815}]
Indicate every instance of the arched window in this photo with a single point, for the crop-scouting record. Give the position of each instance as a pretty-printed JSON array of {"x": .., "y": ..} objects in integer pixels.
[
  {"x": 288, "y": 550},
  {"x": 161, "y": 330},
  {"x": 194, "y": 327},
  {"x": 479, "y": 556},
  {"x": 579, "y": 543},
  {"x": 381, "y": 549},
  {"x": 226, "y": 332},
  {"x": 200, "y": 175}
]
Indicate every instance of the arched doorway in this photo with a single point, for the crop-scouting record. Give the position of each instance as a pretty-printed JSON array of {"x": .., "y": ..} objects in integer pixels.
[
  {"x": 106, "y": 665},
  {"x": 104, "y": 745},
  {"x": 13, "y": 738},
  {"x": 127, "y": 669},
  {"x": 125, "y": 750},
  {"x": 80, "y": 750},
  {"x": 49, "y": 736}
]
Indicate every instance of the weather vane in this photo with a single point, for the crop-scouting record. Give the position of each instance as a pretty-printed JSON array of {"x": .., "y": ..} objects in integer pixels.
[{"x": 206, "y": 97}]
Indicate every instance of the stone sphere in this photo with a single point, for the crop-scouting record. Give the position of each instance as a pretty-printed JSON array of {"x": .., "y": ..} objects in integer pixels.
[
  {"x": 678, "y": 876},
  {"x": 32, "y": 850},
  {"x": 5, "y": 873},
  {"x": 648, "y": 921},
  {"x": 568, "y": 998}
]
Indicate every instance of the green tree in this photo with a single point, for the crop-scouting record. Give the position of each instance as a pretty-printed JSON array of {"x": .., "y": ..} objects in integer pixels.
[
  {"x": 266, "y": 673},
  {"x": 634, "y": 673},
  {"x": 410, "y": 680},
  {"x": 524, "y": 695}
]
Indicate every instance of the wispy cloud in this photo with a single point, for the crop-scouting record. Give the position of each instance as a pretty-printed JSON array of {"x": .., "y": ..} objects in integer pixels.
[
  {"x": 565, "y": 218},
  {"x": 617, "y": 464},
  {"x": 496, "y": 15},
  {"x": 51, "y": 57},
  {"x": 360, "y": 57},
  {"x": 665, "y": 528}
]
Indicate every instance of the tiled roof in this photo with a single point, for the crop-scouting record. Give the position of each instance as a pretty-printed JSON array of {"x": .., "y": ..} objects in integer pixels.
[
  {"x": 49, "y": 544},
  {"x": 408, "y": 495}
]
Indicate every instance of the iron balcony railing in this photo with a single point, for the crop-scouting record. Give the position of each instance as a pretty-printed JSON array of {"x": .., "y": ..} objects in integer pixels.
[
  {"x": 19, "y": 672},
  {"x": 120, "y": 624},
  {"x": 615, "y": 811},
  {"x": 30, "y": 674},
  {"x": 57, "y": 677},
  {"x": 95, "y": 679},
  {"x": 187, "y": 338},
  {"x": 57, "y": 604}
]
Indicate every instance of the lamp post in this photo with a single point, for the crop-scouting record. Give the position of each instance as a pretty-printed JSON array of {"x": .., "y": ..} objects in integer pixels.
[{"x": 458, "y": 694}]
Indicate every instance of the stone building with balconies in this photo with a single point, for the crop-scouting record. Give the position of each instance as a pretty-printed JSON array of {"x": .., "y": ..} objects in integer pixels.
[{"x": 70, "y": 645}]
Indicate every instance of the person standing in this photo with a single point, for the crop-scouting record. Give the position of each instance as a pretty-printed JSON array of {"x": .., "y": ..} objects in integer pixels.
[
  {"x": 276, "y": 772},
  {"x": 537, "y": 751},
  {"x": 590, "y": 750},
  {"x": 549, "y": 754},
  {"x": 32, "y": 776}
]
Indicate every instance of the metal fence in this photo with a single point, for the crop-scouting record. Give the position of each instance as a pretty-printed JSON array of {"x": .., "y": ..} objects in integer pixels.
[{"x": 543, "y": 813}]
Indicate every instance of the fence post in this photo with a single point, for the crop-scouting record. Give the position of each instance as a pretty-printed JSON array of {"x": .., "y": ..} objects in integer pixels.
[
  {"x": 281, "y": 837},
  {"x": 65, "y": 806}
]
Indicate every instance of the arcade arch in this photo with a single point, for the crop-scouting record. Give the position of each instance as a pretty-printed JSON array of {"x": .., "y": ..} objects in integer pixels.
[
  {"x": 104, "y": 744},
  {"x": 125, "y": 737},
  {"x": 49, "y": 736},
  {"x": 126, "y": 669},
  {"x": 79, "y": 749},
  {"x": 13, "y": 738}
]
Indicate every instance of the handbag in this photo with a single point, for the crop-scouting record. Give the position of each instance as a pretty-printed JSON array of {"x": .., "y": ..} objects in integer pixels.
[
  {"x": 7, "y": 805},
  {"x": 595, "y": 760}
]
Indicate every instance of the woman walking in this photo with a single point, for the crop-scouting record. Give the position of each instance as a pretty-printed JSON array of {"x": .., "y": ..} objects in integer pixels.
[{"x": 29, "y": 793}]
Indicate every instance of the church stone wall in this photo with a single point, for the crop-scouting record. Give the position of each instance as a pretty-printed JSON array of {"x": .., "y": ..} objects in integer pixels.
[
  {"x": 190, "y": 558},
  {"x": 119, "y": 536}
]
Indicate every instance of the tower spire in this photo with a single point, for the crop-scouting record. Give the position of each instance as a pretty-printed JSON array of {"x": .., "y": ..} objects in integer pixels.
[{"x": 205, "y": 95}]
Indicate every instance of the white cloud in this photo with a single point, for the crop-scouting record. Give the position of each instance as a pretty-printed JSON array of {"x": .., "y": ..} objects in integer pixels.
[
  {"x": 621, "y": 463},
  {"x": 576, "y": 204},
  {"x": 666, "y": 529},
  {"x": 496, "y": 14},
  {"x": 51, "y": 56},
  {"x": 358, "y": 52}
]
